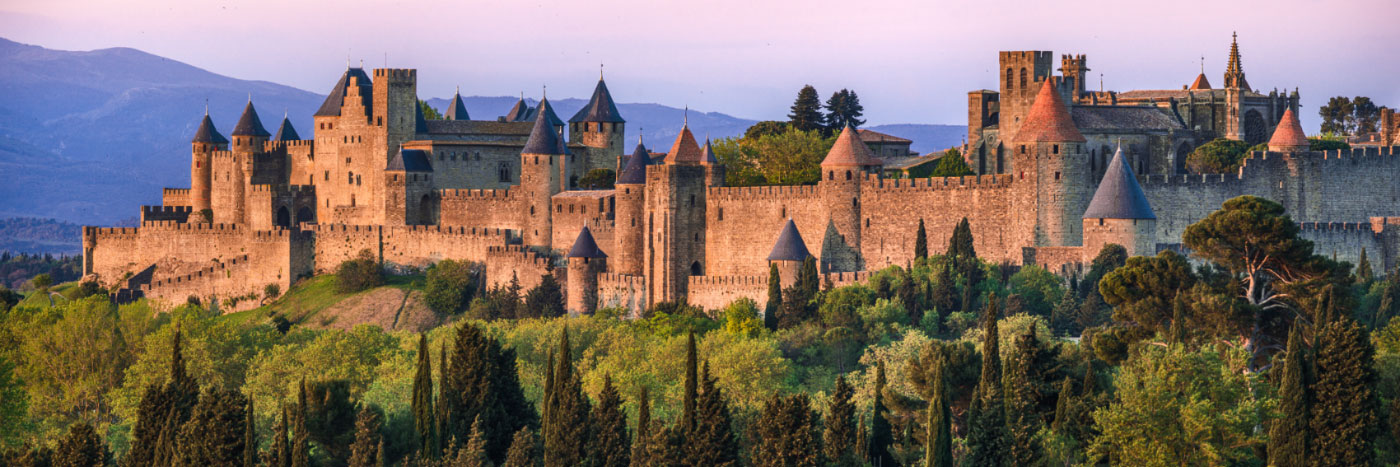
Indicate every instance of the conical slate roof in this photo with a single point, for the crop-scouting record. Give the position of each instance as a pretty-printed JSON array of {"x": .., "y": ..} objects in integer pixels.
[
  {"x": 285, "y": 132},
  {"x": 1288, "y": 135},
  {"x": 207, "y": 133},
  {"x": 455, "y": 109},
  {"x": 789, "y": 246},
  {"x": 849, "y": 150},
  {"x": 1201, "y": 83},
  {"x": 548, "y": 111},
  {"x": 409, "y": 160},
  {"x": 685, "y": 151},
  {"x": 1048, "y": 120},
  {"x": 543, "y": 139},
  {"x": 520, "y": 112},
  {"x": 600, "y": 107},
  {"x": 707, "y": 154},
  {"x": 420, "y": 123},
  {"x": 635, "y": 172},
  {"x": 1119, "y": 196},
  {"x": 585, "y": 247},
  {"x": 249, "y": 124},
  {"x": 336, "y": 98}
]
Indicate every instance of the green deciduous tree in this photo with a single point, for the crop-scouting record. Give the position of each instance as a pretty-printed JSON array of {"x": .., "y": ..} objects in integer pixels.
[
  {"x": 358, "y": 274},
  {"x": 598, "y": 179},
  {"x": 791, "y": 157},
  {"x": 1218, "y": 156},
  {"x": 952, "y": 164},
  {"x": 449, "y": 286}
]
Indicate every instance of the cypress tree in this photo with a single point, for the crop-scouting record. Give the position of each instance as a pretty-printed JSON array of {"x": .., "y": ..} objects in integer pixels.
[
  {"x": 548, "y": 395},
  {"x": 807, "y": 278},
  {"x": 711, "y": 442},
  {"x": 1288, "y": 435},
  {"x": 806, "y": 110},
  {"x": 611, "y": 446},
  {"x": 474, "y": 454},
  {"x": 862, "y": 439},
  {"x": 81, "y": 447},
  {"x": 569, "y": 428},
  {"x": 365, "y": 451},
  {"x": 921, "y": 242},
  {"x": 939, "y": 450},
  {"x": 250, "y": 438},
  {"x": 424, "y": 417},
  {"x": 986, "y": 437},
  {"x": 1023, "y": 386},
  {"x": 481, "y": 380},
  {"x": 444, "y": 404},
  {"x": 1364, "y": 274},
  {"x": 522, "y": 449},
  {"x": 301, "y": 441},
  {"x": 1062, "y": 406},
  {"x": 880, "y": 434},
  {"x": 787, "y": 435},
  {"x": 839, "y": 436},
  {"x": 775, "y": 298},
  {"x": 1344, "y": 418},
  {"x": 216, "y": 431},
  {"x": 960, "y": 243},
  {"x": 641, "y": 449},
  {"x": 163, "y": 405},
  {"x": 688, "y": 404},
  {"x": 666, "y": 447},
  {"x": 281, "y": 445}
]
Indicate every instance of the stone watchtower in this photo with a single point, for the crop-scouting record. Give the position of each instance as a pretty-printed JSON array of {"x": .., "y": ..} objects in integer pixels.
[
  {"x": 206, "y": 140},
  {"x": 1021, "y": 74},
  {"x": 408, "y": 189},
  {"x": 249, "y": 136},
  {"x": 1119, "y": 213},
  {"x": 629, "y": 232},
  {"x": 843, "y": 171},
  {"x": 541, "y": 164},
  {"x": 1075, "y": 69},
  {"x": 675, "y": 210},
  {"x": 789, "y": 252},
  {"x": 1050, "y": 157},
  {"x": 396, "y": 109},
  {"x": 714, "y": 171},
  {"x": 600, "y": 127},
  {"x": 586, "y": 261}
]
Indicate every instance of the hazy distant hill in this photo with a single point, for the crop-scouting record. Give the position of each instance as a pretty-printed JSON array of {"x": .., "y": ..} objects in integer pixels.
[
  {"x": 87, "y": 137},
  {"x": 29, "y": 235}
]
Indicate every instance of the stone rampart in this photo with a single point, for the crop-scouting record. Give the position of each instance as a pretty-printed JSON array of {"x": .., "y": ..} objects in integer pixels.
[{"x": 622, "y": 290}]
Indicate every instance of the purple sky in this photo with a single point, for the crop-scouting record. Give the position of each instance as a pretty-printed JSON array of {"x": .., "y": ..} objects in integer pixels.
[{"x": 910, "y": 61}]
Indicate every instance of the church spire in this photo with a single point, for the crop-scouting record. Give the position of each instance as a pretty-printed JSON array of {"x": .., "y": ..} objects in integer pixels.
[{"x": 1234, "y": 71}]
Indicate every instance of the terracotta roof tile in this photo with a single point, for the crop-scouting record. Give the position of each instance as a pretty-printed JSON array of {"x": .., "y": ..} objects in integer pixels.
[
  {"x": 1200, "y": 83},
  {"x": 849, "y": 150},
  {"x": 685, "y": 151},
  {"x": 1288, "y": 136},
  {"x": 1048, "y": 119}
]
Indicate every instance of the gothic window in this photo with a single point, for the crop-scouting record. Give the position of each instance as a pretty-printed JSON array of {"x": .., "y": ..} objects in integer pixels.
[
  {"x": 1023, "y": 80},
  {"x": 504, "y": 173},
  {"x": 1254, "y": 128},
  {"x": 1055, "y": 149},
  {"x": 1010, "y": 75}
]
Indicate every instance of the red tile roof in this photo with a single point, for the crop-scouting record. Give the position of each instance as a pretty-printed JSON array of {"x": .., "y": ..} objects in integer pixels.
[
  {"x": 1288, "y": 136},
  {"x": 870, "y": 136},
  {"x": 1048, "y": 119},
  {"x": 685, "y": 151},
  {"x": 1200, "y": 83},
  {"x": 849, "y": 151}
]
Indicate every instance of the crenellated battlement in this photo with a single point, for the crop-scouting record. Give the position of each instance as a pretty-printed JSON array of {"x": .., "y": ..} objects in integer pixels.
[
  {"x": 396, "y": 73},
  {"x": 273, "y": 146},
  {"x": 332, "y": 228},
  {"x": 844, "y": 278},
  {"x": 296, "y": 190},
  {"x": 451, "y": 230},
  {"x": 521, "y": 253},
  {"x": 176, "y": 192},
  {"x": 206, "y": 272},
  {"x": 968, "y": 182},
  {"x": 763, "y": 192},
  {"x": 1338, "y": 227},
  {"x": 470, "y": 194},
  {"x": 159, "y": 210},
  {"x": 611, "y": 279},
  {"x": 1157, "y": 179},
  {"x": 220, "y": 228},
  {"x": 728, "y": 281}
]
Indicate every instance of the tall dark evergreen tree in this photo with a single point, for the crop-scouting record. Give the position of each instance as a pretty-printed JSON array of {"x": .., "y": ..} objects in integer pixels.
[
  {"x": 986, "y": 438},
  {"x": 775, "y": 298},
  {"x": 522, "y": 449},
  {"x": 81, "y": 447},
  {"x": 546, "y": 300},
  {"x": 481, "y": 380},
  {"x": 641, "y": 439},
  {"x": 843, "y": 108},
  {"x": 250, "y": 437},
  {"x": 691, "y": 389},
  {"x": 960, "y": 243},
  {"x": 880, "y": 434},
  {"x": 938, "y": 451},
  {"x": 1344, "y": 417},
  {"x": 711, "y": 441},
  {"x": 281, "y": 455},
  {"x": 301, "y": 435},
  {"x": 569, "y": 429},
  {"x": 806, "y": 112},
  {"x": 330, "y": 417},
  {"x": 839, "y": 435},
  {"x": 424, "y": 416},
  {"x": 787, "y": 434},
  {"x": 474, "y": 453},
  {"x": 216, "y": 431},
  {"x": 611, "y": 446},
  {"x": 1364, "y": 274},
  {"x": 163, "y": 405},
  {"x": 1288, "y": 435},
  {"x": 963, "y": 255},
  {"x": 1025, "y": 386},
  {"x": 365, "y": 451},
  {"x": 921, "y": 242}
]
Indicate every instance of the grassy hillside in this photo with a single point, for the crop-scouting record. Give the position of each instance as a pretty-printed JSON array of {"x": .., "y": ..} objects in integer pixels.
[{"x": 316, "y": 303}]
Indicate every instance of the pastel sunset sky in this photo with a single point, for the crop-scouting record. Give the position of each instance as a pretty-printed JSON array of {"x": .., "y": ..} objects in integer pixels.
[{"x": 910, "y": 61}]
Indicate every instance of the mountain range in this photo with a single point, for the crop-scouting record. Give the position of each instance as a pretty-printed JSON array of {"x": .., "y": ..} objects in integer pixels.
[{"x": 88, "y": 136}]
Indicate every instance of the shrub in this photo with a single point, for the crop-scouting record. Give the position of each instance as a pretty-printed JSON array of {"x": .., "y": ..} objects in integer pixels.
[
  {"x": 951, "y": 164},
  {"x": 42, "y": 281},
  {"x": 598, "y": 179},
  {"x": 1218, "y": 156},
  {"x": 358, "y": 274},
  {"x": 272, "y": 291},
  {"x": 85, "y": 290},
  {"x": 449, "y": 286}
]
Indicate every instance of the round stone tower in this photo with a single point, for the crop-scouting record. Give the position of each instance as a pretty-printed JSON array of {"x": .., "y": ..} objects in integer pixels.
[
  {"x": 1050, "y": 157},
  {"x": 842, "y": 172},
  {"x": 206, "y": 140},
  {"x": 1288, "y": 136},
  {"x": 249, "y": 137},
  {"x": 586, "y": 261},
  {"x": 1119, "y": 213},
  {"x": 630, "y": 223},
  {"x": 599, "y": 126},
  {"x": 540, "y": 181}
]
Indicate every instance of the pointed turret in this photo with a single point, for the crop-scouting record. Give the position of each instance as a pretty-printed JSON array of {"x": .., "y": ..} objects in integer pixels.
[
  {"x": 585, "y": 246},
  {"x": 1288, "y": 135},
  {"x": 849, "y": 151},
  {"x": 520, "y": 112},
  {"x": 285, "y": 132},
  {"x": 707, "y": 154},
  {"x": 249, "y": 124},
  {"x": 1119, "y": 196},
  {"x": 789, "y": 246},
  {"x": 635, "y": 173},
  {"x": 456, "y": 110},
  {"x": 548, "y": 111},
  {"x": 544, "y": 138},
  {"x": 685, "y": 151},
  {"x": 336, "y": 98},
  {"x": 1201, "y": 83},
  {"x": 1234, "y": 71},
  {"x": 207, "y": 133},
  {"x": 600, "y": 107},
  {"x": 1048, "y": 120}
]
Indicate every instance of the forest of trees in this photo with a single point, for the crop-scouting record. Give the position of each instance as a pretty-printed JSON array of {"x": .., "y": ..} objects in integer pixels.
[
  {"x": 1255, "y": 351},
  {"x": 1349, "y": 115}
]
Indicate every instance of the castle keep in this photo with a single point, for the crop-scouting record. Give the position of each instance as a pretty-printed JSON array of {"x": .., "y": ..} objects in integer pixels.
[{"x": 1061, "y": 171}]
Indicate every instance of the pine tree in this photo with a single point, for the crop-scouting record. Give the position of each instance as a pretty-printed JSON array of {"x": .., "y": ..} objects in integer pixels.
[
  {"x": 569, "y": 428},
  {"x": 474, "y": 453},
  {"x": 1364, "y": 274},
  {"x": 1344, "y": 417},
  {"x": 842, "y": 109},
  {"x": 546, "y": 300},
  {"x": 806, "y": 111},
  {"x": 711, "y": 441},
  {"x": 250, "y": 437},
  {"x": 365, "y": 451},
  {"x": 81, "y": 447},
  {"x": 481, "y": 380},
  {"x": 839, "y": 436},
  {"x": 939, "y": 450},
  {"x": 522, "y": 449},
  {"x": 216, "y": 431},
  {"x": 641, "y": 450},
  {"x": 880, "y": 435},
  {"x": 301, "y": 441},
  {"x": 424, "y": 417},
  {"x": 1288, "y": 436},
  {"x": 163, "y": 405},
  {"x": 921, "y": 242},
  {"x": 611, "y": 445},
  {"x": 986, "y": 438},
  {"x": 1062, "y": 317},
  {"x": 787, "y": 434},
  {"x": 688, "y": 403},
  {"x": 775, "y": 298}
]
